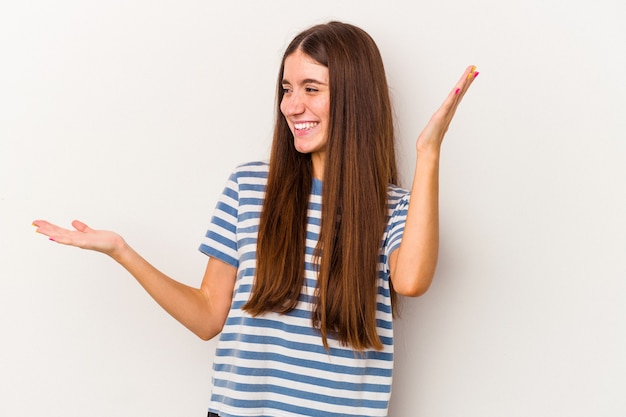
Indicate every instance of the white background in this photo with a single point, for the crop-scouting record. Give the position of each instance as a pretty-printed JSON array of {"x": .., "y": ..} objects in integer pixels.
[{"x": 130, "y": 115}]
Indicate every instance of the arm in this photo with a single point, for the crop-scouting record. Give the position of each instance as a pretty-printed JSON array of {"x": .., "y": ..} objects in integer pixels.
[
  {"x": 413, "y": 264},
  {"x": 202, "y": 310}
]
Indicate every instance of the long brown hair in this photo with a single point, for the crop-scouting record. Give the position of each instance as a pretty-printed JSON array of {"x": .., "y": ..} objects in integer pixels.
[{"x": 360, "y": 163}]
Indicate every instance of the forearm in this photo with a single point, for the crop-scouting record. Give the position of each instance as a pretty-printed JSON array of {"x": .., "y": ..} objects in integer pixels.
[
  {"x": 190, "y": 306},
  {"x": 203, "y": 311},
  {"x": 416, "y": 258}
]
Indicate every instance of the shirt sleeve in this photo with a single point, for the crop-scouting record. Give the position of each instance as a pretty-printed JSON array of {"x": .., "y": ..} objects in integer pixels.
[
  {"x": 220, "y": 240},
  {"x": 396, "y": 225}
]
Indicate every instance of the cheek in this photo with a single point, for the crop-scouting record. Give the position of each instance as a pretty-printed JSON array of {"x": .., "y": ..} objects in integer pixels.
[{"x": 323, "y": 109}]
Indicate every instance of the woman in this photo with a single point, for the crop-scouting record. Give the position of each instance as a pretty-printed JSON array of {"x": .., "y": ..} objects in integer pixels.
[{"x": 303, "y": 292}]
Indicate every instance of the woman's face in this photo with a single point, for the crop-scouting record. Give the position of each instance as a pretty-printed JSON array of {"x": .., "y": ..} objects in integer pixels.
[{"x": 306, "y": 105}]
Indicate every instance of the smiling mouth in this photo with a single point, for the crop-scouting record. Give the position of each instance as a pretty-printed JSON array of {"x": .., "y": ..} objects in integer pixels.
[{"x": 304, "y": 126}]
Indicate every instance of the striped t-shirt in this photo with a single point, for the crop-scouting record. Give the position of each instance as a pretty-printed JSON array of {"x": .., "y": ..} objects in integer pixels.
[{"x": 275, "y": 364}]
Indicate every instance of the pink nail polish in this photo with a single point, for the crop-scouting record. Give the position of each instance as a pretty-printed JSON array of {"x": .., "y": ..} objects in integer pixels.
[
  {"x": 51, "y": 239},
  {"x": 457, "y": 91},
  {"x": 476, "y": 74}
]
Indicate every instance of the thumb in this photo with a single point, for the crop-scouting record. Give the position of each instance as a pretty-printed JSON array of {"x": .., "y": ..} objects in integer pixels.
[{"x": 80, "y": 226}]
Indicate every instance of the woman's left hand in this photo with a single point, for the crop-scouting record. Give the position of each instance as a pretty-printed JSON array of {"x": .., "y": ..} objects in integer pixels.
[
  {"x": 432, "y": 136},
  {"x": 413, "y": 265}
]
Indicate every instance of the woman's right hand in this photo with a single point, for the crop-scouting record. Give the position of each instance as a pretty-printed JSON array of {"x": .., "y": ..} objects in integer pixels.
[
  {"x": 203, "y": 310},
  {"x": 83, "y": 237}
]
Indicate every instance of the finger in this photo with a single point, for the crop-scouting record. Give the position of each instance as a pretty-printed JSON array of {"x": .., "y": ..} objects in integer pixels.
[
  {"x": 54, "y": 233},
  {"x": 80, "y": 226},
  {"x": 456, "y": 94},
  {"x": 448, "y": 109},
  {"x": 459, "y": 90},
  {"x": 43, "y": 227},
  {"x": 39, "y": 223},
  {"x": 465, "y": 81}
]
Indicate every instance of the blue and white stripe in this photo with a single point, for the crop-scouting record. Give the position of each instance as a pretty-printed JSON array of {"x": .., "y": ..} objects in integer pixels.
[{"x": 275, "y": 364}]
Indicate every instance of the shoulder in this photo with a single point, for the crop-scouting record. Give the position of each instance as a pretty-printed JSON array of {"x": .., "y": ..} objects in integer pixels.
[
  {"x": 250, "y": 172},
  {"x": 396, "y": 194},
  {"x": 252, "y": 168},
  {"x": 397, "y": 203}
]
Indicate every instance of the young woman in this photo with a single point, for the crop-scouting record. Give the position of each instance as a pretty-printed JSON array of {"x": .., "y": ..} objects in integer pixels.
[{"x": 307, "y": 253}]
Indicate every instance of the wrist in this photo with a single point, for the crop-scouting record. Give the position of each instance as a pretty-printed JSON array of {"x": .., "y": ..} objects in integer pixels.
[
  {"x": 429, "y": 154},
  {"x": 120, "y": 250}
]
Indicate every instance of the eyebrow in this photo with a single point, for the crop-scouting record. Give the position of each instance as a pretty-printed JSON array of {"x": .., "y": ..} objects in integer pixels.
[{"x": 305, "y": 81}]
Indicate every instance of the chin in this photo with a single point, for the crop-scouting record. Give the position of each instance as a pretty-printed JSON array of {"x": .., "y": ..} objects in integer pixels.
[
  {"x": 302, "y": 149},
  {"x": 307, "y": 147}
]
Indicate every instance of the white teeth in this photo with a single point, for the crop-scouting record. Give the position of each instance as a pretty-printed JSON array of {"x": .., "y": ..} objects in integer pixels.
[{"x": 307, "y": 125}]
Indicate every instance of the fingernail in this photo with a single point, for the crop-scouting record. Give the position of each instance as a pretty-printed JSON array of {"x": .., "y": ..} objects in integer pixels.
[
  {"x": 471, "y": 72},
  {"x": 457, "y": 91},
  {"x": 51, "y": 239},
  {"x": 476, "y": 74}
]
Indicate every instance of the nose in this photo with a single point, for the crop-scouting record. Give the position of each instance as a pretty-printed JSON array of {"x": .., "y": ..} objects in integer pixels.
[{"x": 292, "y": 104}]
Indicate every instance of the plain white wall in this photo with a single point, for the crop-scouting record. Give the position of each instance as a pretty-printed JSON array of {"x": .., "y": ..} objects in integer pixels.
[{"x": 130, "y": 115}]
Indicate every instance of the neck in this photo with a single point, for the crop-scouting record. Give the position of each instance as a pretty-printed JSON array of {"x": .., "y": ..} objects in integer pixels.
[{"x": 318, "y": 165}]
